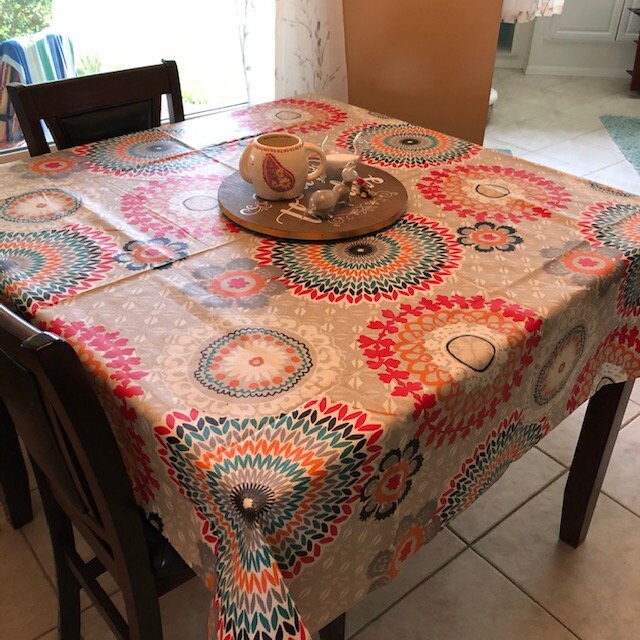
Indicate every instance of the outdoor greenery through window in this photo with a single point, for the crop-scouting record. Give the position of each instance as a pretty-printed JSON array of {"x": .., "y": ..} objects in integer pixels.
[{"x": 202, "y": 36}]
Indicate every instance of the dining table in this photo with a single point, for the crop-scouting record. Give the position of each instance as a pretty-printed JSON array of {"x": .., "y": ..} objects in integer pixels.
[{"x": 299, "y": 418}]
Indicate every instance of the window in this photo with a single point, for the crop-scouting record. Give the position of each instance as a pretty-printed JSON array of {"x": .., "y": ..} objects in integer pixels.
[{"x": 202, "y": 36}]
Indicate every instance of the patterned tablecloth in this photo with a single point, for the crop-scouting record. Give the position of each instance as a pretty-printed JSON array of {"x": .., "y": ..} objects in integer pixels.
[{"x": 300, "y": 418}]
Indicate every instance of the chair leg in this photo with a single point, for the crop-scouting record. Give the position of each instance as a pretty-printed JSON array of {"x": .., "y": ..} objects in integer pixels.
[
  {"x": 143, "y": 615},
  {"x": 14, "y": 480},
  {"x": 598, "y": 435},
  {"x": 62, "y": 540},
  {"x": 334, "y": 630}
]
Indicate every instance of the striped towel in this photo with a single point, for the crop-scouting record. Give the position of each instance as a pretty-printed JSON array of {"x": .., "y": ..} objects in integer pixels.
[{"x": 40, "y": 57}]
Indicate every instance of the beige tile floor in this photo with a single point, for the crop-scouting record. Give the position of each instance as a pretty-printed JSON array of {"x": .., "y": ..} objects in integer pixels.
[
  {"x": 499, "y": 572},
  {"x": 555, "y": 121}
]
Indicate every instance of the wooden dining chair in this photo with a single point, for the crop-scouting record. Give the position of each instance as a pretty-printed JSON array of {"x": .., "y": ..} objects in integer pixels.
[
  {"x": 95, "y": 107},
  {"x": 83, "y": 485}
]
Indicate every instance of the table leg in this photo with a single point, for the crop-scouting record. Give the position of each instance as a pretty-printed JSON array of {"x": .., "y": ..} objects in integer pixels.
[
  {"x": 14, "y": 481},
  {"x": 598, "y": 435},
  {"x": 334, "y": 630}
]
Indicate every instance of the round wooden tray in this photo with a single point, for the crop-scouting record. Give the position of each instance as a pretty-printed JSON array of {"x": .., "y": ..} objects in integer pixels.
[{"x": 289, "y": 218}]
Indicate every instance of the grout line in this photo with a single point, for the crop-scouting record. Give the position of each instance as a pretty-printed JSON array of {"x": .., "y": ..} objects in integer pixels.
[
  {"x": 620, "y": 504},
  {"x": 39, "y": 563},
  {"x": 525, "y": 593},
  {"x": 565, "y": 466},
  {"x": 48, "y": 631},
  {"x": 404, "y": 595},
  {"x": 613, "y": 164},
  {"x": 529, "y": 499}
]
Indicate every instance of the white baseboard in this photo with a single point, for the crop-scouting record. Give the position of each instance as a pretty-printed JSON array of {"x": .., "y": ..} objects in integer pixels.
[
  {"x": 576, "y": 71},
  {"x": 509, "y": 63}
]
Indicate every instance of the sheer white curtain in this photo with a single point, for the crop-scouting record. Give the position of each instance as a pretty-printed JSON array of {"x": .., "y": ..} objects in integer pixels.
[
  {"x": 292, "y": 47},
  {"x": 527, "y": 10}
]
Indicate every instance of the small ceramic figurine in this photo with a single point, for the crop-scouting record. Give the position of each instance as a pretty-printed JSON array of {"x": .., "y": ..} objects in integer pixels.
[
  {"x": 349, "y": 173},
  {"x": 363, "y": 188},
  {"x": 323, "y": 202}
]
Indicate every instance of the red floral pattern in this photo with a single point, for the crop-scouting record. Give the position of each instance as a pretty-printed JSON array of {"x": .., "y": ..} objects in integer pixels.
[
  {"x": 112, "y": 364},
  {"x": 497, "y": 193},
  {"x": 442, "y": 352},
  {"x": 616, "y": 359}
]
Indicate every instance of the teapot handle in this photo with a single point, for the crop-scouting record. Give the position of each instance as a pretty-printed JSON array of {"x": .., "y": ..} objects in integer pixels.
[
  {"x": 318, "y": 171},
  {"x": 244, "y": 163}
]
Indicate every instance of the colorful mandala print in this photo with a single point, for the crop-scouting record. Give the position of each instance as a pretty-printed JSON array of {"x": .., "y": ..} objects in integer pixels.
[
  {"x": 146, "y": 154},
  {"x": 405, "y": 145},
  {"x": 240, "y": 283},
  {"x": 390, "y": 485},
  {"x": 583, "y": 264},
  {"x": 155, "y": 253},
  {"x": 39, "y": 268},
  {"x": 414, "y": 531},
  {"x": 458, "y": 357},
  {"x": 113, "y": 366},
  {"x": 253, "y": 363},
  {"x": 52, "y": 165},
  {"x": 610, "y": 191},
  {"x": 486, "y": 237},
  {"x": 558, "y": 368},
  {"x": 504, "y": 445},
  {"x": 178, "y": 207},
  {"x": 43, "y": 205},
  {"x": 413, "y": 255},
  {"x": 618, "y": 226},
  {"x": 617, "y": 358},
  {"x": 301, "y": 116},
  {"x": 497, "y": 193},
  {"x": 272, "y": 499}
]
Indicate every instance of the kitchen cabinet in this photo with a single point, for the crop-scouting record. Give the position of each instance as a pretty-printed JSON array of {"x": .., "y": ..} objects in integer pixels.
[
  {"x": 629, "y": 27},
  {"x": 595, "y": 21}
]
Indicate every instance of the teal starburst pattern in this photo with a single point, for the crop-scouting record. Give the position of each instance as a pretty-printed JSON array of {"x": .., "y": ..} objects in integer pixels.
[{"x": 413, "y": 255}]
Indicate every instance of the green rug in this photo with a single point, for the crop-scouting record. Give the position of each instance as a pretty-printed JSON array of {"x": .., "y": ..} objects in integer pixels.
[{"x": 625, "y": 132}]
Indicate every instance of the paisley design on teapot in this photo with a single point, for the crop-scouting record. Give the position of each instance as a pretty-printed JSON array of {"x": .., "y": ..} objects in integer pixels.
[{"x": 275, "y": 175}]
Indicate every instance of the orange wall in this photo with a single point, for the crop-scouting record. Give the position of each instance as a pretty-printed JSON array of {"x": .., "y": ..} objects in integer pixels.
[{"x": 426, "y": 61}]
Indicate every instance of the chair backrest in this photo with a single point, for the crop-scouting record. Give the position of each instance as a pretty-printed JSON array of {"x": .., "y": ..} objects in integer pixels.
[
  {"x": 66, "y": 433},
  {"x": 95, "y": 107}
]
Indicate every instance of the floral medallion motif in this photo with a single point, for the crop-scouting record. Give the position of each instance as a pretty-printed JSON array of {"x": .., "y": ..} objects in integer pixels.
[
  {"x": 583, "y": 264},
  {"x": 616, "y": 359},
  {"x": 382, "y": 494},
  {"x": 497, "y": 193},
  {"x": 145, "y": 154},
  {"x": 272, "y": 504},
  {"x": 406, "y": 145},
  {"x": 239, "y": 283},
  {"x": 618, "y": 226},
  {"x": 490, "y": 459},
  {"x": 612, "y": 225},
  {"x": 414, "y": 531},
  {"x": 253, "y": 363},
  {"x": 155, "y": 253},
  {"x": 414, "y": 254},
  {"x": 271, "y": 376},
  {"x": 39, "y": 268},
  {"x": 43, "y": 205},
  {"x": 558, "y": 368},
  {"x": 459, "y": 358},
  {"x": 52, "y": 165},
  {"x": 179, "y": 207},
  {"x": 291, "y": 114},
  {"x": 115, "y": 369},
  {"x": 486, "y": 237}
]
